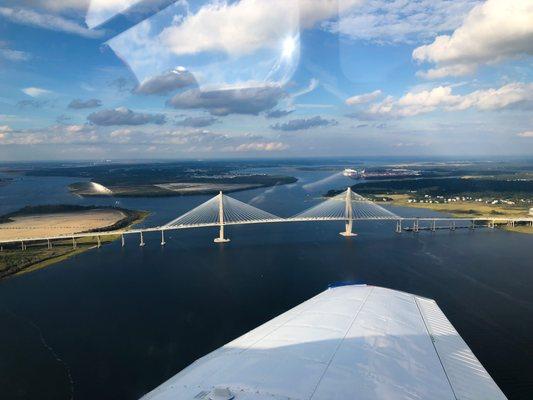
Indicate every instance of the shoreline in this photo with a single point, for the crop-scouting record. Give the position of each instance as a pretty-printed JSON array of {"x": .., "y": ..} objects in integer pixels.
[
  {"x": 174, "y": 189},
  {"x": 40, "y": 257},
  {"x": 463, "y": 210}
]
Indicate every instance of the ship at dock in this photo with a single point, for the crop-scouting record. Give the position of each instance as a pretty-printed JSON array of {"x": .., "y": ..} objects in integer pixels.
[{"x": 353, "y": 173}]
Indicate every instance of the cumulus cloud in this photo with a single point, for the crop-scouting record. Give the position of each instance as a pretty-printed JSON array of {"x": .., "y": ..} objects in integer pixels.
[
  {"x": 78, "y": 104},
  {"x": 442, "y": 97},
  {"x": 56, "y": 134},
  {"x": 526, "y": 134},
  {"x": 35, "y": 91},
  {"x": 196, "y": 141},
  {"x": 493, "y": 31},
  {"x": 260, "y": 23},
  {"x": 304, "y": 123},
  {"x": 197, "y": 122},
  {"x": 261, "y": 146},
  {"x": 124, "y": 116},
  {"x": 398, "y": 21},
  {"x": 278, "y": 113},
  {"x": 46, "y": 21},
  {"x": 168, "y": 82},
  {"x": 363, "y": 98},
  {"x": 221, "y": 102},
  {"x": 4, "y": 131}
]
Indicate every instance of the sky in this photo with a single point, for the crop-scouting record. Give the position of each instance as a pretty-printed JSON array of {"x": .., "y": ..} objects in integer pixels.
[{"x": 167, "y": 79}]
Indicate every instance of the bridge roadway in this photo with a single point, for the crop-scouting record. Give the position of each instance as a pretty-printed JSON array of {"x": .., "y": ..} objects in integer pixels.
[
  {"x": 221, "y": 211},
  {"x": 400, "y": 222}
]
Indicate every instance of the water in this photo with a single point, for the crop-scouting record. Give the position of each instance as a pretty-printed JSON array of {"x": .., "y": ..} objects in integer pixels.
[{"x": 115, "y": 322}]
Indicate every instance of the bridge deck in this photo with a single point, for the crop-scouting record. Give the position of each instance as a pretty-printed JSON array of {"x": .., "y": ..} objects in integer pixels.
[{"x": 269, "y": 221}]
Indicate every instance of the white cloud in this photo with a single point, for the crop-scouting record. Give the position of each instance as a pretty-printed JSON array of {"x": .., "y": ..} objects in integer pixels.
[
  {"x": 193, "y": 141},
  {"x": 120, "y": 133},
  {"x": 363, "y": 98},
  {"x": 493, "y": 31},
  {"x": 442, "y": 97},
  {"x": 4, "y": 131},
  {"x": 493, "y": 99},
  {"x": 14, "y": 55},
  {"x": 248, "y": 25},
  {"x": 237, "y": 41},
  {"x": 46, "y": 21},
  {"x": 528, "y": 134},
  {"x": 56, "y": 134},
  {"x": 400, "y": 21},
  {"x": 35, "y": 91},
  {"x": 262, "y": 146}
]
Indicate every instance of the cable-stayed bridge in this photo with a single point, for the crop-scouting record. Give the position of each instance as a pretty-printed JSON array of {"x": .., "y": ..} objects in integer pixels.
[{"x": 222, "y": 210}]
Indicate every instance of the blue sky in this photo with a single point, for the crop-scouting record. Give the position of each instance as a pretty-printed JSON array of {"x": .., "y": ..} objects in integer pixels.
[{"x": 130, "y": 79}]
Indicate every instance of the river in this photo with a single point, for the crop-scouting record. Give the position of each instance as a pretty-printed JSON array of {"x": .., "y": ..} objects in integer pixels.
[{"x": 113, "y": 323}]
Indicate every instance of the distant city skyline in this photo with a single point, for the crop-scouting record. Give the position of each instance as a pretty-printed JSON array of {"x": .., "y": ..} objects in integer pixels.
[{"x": 164, "y": 79}]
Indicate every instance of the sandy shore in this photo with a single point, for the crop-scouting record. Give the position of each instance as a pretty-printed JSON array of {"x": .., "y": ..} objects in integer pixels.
[{"x": 33, "y": 226}]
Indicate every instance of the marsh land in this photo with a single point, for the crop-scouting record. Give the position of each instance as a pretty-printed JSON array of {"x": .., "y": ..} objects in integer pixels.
[{"x": 162, "y": 179}]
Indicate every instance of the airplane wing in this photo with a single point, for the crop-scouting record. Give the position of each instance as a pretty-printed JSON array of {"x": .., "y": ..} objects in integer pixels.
[{"x": 348, "y": 342}]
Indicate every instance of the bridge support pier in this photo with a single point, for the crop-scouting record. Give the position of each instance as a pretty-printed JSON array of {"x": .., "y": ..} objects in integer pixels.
[
  {"x": 99, "y": 242},
  {"x": 416, "y": 225},
  {"x": 74, "y": 244},
  {"x": 399, "y": 226},
  {"x": 348, "y": 232},
  {"x": 452, "y": 226},
  {"x": 162, "y": 237},
  {"x": 48, "y": 244},
  {"x": 472, "y": 225},
  {"x": 123, "y": 243},
  {"x": 141, "y": 244},
  {"x": 348, "y": 213},
  {"x": 221, "y": 238},
  {"x": 434, "y": 226}
]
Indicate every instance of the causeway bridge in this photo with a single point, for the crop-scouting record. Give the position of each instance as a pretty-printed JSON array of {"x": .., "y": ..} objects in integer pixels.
[{"x": 222, "y": 210}]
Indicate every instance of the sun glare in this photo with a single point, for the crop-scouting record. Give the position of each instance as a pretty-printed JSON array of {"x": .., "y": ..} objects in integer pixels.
[{"x": 289, "y": 45}]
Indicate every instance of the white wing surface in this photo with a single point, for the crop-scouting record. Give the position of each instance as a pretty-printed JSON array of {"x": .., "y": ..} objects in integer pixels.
[{"x": 350, "y": 342}]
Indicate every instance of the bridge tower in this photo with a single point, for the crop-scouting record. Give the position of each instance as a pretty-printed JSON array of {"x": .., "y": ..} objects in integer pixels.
[
  {"x": 221, "y": 238},
  {"x": 348, "y": 214}
]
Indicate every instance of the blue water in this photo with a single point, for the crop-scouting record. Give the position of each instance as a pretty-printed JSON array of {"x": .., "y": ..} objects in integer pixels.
[{"x": 115, "y": 322}]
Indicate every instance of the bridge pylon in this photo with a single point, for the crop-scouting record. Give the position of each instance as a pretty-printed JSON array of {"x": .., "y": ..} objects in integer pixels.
[
  {"x": 221, "y": 238},
  {"x": 348, "y": 213}
]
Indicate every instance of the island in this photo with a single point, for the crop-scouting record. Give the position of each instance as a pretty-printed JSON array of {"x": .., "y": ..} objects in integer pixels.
[
  {"x": 58, "y": 220},
  {"x": 163, "y": 179}
]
